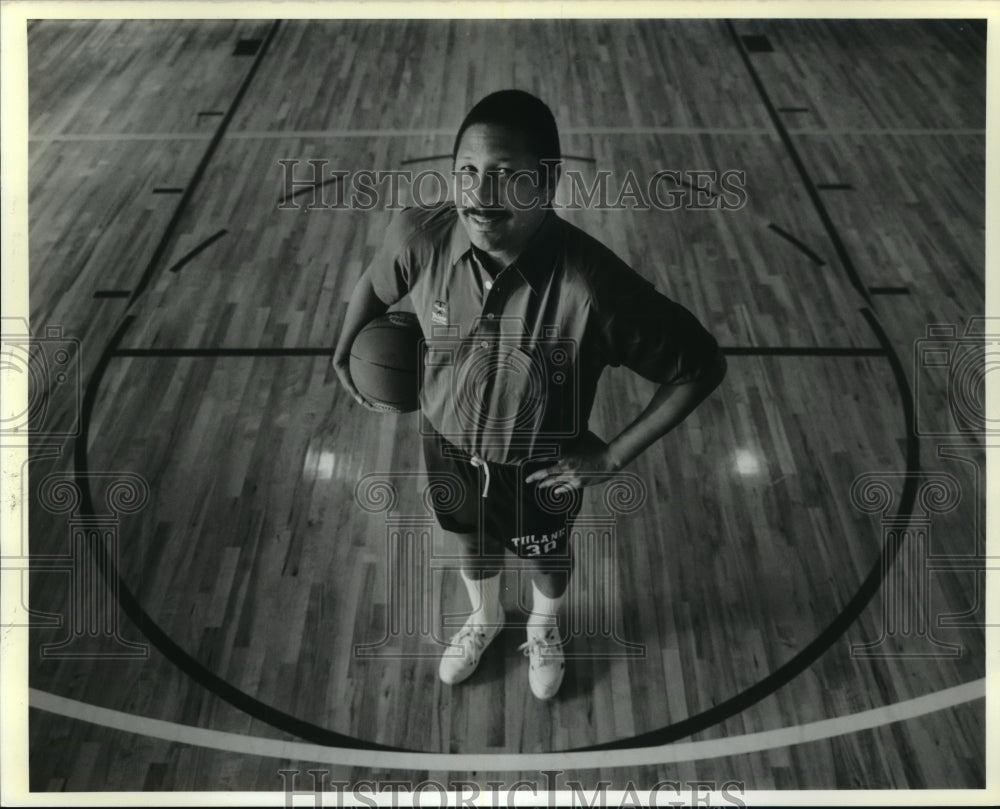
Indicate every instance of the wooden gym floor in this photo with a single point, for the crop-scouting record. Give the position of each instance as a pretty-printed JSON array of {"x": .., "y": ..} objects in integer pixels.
[{"x": 750, "y": 591}]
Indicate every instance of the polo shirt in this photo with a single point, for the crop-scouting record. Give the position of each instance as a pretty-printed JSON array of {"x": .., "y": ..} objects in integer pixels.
[{"x": 512, "y": 362}]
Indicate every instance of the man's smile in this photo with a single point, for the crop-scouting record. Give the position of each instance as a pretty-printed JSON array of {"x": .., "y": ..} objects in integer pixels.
[{"x": 486, "y": 218}]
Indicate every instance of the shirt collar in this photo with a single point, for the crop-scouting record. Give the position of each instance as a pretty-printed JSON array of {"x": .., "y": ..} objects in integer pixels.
[
  {"x": 460, "y": 244},
  {"x": 535, "y": 261}
]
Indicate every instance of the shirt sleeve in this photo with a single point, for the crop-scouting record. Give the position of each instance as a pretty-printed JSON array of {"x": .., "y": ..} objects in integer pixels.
[
  {"x": 645, "y": 331},
  {"x": 392, "y": 268}
]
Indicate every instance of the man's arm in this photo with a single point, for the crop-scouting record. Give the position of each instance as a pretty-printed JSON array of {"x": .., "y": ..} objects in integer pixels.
[
  {"x": 363, "y": 308},
  {"x": 592, "y": 460},
  {"x": 670, "y": 405}
]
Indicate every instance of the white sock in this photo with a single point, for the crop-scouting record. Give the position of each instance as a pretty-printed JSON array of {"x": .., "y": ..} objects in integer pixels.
[
  {"x": 544, "y": 611},
  {"x": 485, "y": 597}
]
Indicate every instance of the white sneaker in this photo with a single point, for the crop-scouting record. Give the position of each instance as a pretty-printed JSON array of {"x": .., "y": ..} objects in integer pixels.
[
  {"x": 546, "y": 661},
  {"x": 465, "y": 648}
]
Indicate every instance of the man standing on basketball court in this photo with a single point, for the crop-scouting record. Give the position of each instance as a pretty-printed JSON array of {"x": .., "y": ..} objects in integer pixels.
[{"x": 521, "y": 312}]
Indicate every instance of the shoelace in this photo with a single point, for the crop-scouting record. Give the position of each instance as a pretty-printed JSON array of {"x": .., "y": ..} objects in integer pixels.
[
  {"x": 472, "y": 640},
  {"x": 537, "y": 648}
]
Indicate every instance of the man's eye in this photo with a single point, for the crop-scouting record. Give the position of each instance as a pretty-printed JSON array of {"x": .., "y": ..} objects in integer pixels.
[{"x": 467, "y": 170}]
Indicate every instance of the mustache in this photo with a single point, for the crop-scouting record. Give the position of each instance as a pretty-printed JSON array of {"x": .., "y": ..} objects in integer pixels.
[{"x": 487, "y": 211}]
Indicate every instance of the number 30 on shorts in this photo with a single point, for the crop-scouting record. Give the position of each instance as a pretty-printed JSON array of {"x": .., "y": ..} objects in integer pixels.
[{"x": 538, "y": 550}]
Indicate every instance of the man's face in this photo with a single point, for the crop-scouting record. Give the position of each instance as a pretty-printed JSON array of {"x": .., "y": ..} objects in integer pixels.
[{"x": 499, "y": 190}]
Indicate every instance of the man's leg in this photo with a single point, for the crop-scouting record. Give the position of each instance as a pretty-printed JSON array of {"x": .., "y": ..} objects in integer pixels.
[
  {"x": 549, "y": 582},
  {"x": 480, "y": 573},
  {"x": 481, "y": 561}
]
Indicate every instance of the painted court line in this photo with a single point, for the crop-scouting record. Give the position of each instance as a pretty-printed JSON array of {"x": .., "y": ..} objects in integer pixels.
[{"x": 496, "y": 762}]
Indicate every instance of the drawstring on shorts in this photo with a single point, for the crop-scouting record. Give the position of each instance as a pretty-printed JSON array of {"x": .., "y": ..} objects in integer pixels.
[{"x": 475, "y": 460}]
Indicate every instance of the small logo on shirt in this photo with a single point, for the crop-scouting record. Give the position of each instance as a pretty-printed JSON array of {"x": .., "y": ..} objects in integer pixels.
[{"x": 439, "y": 313}]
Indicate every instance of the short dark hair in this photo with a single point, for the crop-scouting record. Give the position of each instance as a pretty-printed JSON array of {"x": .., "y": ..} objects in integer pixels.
[{"x": 521, "y": 112}]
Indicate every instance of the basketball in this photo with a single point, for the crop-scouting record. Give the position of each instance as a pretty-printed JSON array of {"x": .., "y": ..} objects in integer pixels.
[{"x": 385, "y": 362}]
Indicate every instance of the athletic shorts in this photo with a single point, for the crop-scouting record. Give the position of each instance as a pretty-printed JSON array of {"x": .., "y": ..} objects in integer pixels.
[{"x": 528, "y": 521}]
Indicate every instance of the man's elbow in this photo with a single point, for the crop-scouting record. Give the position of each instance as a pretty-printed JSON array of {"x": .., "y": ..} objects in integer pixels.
[
  {"x": 715, "y": 373},
  {"x": 720, "y": 366}
]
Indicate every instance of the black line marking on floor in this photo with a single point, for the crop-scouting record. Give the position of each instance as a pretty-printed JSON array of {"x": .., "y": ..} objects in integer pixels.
[
  {"x": 191, "y": 254},
  {"x": 199, "y": 172},
  {"x": 126, "y": 600},
  {"x": 112, "y": 293},
  {"x": 151, "y": 631},
  {"x": 168, "y": 190},
  {"x": 757, "y": 43},
  {"x": 834, "y": 187},
  {"x": 889, "y": 290},
  {"x": 784, "y": 234},
  {"x": 306, "y": 189},
  {"x": 242, "y": 701},
  {"x": 841, "y": 623},
  {"x": 698, "y": 190},
  {"x": 793, "y": 154},
  {"x": 210, "y": 114},
  {"x": 793, "y": 109},
  {"x": 247, "y": 47},
  {"x": 876, "y": 575}
]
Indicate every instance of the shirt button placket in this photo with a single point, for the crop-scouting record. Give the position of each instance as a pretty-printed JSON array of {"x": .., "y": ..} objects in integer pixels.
[{"x": 490, "y": 305}]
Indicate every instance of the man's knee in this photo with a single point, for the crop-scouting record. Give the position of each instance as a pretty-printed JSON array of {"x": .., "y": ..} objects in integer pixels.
[
  {"x": 554, "y": 564},
  {"x": 476, "y": 544}
]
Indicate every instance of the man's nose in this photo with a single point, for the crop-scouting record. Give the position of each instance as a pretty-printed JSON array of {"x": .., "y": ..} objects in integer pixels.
[
  {"x": 479, "y": 191},
  {"x": 488, "y": 190}
]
